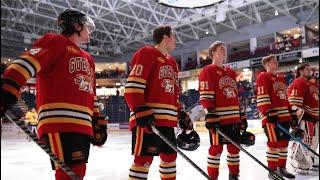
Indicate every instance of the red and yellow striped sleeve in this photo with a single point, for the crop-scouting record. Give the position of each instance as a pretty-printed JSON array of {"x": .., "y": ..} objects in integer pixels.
[
  {"x": 263, "y": 94},
  {"x": 142, "y": 66},
  {"x": 206, "y": 89},
  {"x": 44, "y": 52},
  {"x": 296, "y": 93}
]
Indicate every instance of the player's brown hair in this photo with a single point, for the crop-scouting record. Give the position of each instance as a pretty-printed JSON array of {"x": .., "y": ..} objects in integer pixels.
[
  {"x": 159, "y": 32},
  {"x": 301, "y": 67},
  {"x": 213, "y": 47},
  {"x": 267, "y": 59}
]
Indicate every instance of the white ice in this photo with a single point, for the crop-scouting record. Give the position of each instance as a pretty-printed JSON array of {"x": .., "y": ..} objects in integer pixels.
[{"x": 24, "y": 160}]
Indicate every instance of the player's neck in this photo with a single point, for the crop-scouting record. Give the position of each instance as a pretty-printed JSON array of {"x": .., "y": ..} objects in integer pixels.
[
  {"x": 271, "y": 71},
  {"x": 162, "y": 49},
  {"x": 75, "y": 39},
  {"x": 217, "y": 64}
]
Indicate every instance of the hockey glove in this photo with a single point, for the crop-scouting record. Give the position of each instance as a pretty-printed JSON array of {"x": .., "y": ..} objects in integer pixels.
[
  {"x": 144, "y": 116},
  {"x": 244, "y": 123},
  {"x": 10, "y": 90},
  {"x": 100, "y": 134},
  {"x": 294, "y": 117},
  {"x": 212, "y": 121},
  {"x": 297, "y": 132},
  {"x": 184, "y": 121},
  {"x": 272, "y": 116}
]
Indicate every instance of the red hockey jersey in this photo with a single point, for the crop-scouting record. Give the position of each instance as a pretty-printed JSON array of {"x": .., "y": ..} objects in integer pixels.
[
  {"x": 153, "y": 81},
  {"x": 305, "y": 95},
  {"x": 271, "y": 95},
  {"x": 65, "y": 84},
  {"x": 218, "y": 91}
]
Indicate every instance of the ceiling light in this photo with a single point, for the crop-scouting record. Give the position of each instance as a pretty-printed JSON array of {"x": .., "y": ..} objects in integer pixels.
[
  {"x": 276, "y": 13},
  {"x": 25, "y": 49},
  {"x": 207, "y": 32},
  {"x": 288, "y": 31},
  {"x": 97, "y": 53},
  {"x": 316, "y": 27}
]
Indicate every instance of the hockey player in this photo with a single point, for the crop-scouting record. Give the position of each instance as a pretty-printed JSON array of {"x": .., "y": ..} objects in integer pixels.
[
  {"x": 152, "y": 95},
  {"x": 305, "y": 95},
  {"x": 219, "y": 96},
  {"x": 274, "y": 108},
  {"x": 66, "y": 100}
]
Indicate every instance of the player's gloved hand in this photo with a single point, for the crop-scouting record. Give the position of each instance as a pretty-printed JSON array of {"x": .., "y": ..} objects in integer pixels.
[
  {"x": 294, "y": 117},
  {"x": 272, "y": 116},
  {"x": 144, "y": 116},
  {"x": 297, "y": 132},
  {"x": 244, "y": 123},
  {"x": 184, "y": 121},
  {"x": 10, "y": 90},
  {"x": 100, "y": 134}
]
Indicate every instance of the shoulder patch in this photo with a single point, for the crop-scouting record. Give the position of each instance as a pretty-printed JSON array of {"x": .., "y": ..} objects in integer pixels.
[
  {"x": 72, "y": 50},
  {"x": 161, "y": 59}
]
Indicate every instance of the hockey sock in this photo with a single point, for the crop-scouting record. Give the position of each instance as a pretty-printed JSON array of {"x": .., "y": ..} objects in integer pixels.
[
  {"x": 233, "y": 159},
  {"x": 78, "y": 169},
  {"x": 283, "y": 153},
  {"x": 140, "y": 167},
  {"x": 167, "y": 166},
  {"x": 272, "y": 155},
  {"x": 214, "y": 160}
]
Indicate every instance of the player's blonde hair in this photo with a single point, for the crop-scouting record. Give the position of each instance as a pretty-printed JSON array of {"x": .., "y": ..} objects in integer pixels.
[
  {"x": 267, "y": 59},
  {"x": 213, "y": 47}
]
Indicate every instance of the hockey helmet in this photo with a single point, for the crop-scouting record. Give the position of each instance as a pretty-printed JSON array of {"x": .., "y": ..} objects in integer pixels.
[
  {"x": 69, "y": 17},
  {"x": 247, "y": 138},
  {"x": 188, "y": 141}
]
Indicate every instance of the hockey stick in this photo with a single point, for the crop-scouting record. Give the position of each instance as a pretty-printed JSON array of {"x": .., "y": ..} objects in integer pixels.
[
  {"x": 296, "y": 139},
  {"x": 157, "y": 132},
  {"x": 245, "y": 151},
  {"x": 53, "y": 157}
]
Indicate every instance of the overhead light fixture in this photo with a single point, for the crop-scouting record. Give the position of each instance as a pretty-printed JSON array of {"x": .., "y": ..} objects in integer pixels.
[
  {"x": 190, "y": 4},
  {"x": 207, "y": 32},
  {"x": 316, "y": 26},
  {"x": 288, "y": 31},
  {"x": 276, "y": 13},
  {"x": 97, "y": 53},
  {"x": 25, "y": 49}
]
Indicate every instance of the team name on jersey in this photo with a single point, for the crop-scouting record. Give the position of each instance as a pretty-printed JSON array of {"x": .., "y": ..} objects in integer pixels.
[
  {"x": 80, "y": 64},
  {"x": 227, "y": 81},
  {"x": 84, "y": 81},
  {"x": 280, "y": 89},
  {"x": 229, "y": 86},
  {"x": 168, "y": 72}
]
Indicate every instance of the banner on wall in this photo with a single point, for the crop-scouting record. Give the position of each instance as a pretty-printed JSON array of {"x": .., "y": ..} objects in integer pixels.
[
  {"x": 239, "y": 64},
  {"x": 312, "y": 52},
  {"x": 285, "y": 57},
  {"x": 184, "y": 74}
]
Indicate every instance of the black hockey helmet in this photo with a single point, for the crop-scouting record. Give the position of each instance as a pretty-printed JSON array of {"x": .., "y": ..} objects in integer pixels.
[
  {"x": 247, "y": 138},
  {"x": 69, "y": 17},
  {"x": 188, "y": 141}
]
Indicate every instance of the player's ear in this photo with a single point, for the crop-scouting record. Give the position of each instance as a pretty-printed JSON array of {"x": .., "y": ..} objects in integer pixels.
[{"x": 77, "y": 27}]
